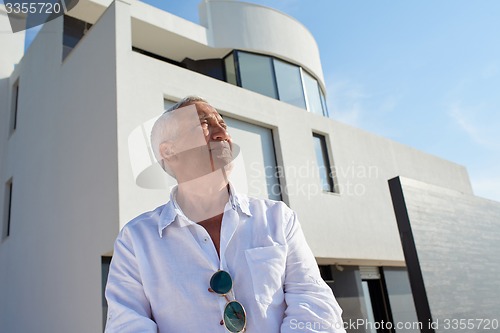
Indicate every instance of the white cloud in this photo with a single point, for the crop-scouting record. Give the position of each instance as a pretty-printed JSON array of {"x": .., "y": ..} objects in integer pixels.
[
  {"x": 345, "y": 101},
  {"x": 478, "y": 124}
]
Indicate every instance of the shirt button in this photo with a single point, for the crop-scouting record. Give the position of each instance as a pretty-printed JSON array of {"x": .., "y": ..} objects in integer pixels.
[{"x": 205, "y": 239}]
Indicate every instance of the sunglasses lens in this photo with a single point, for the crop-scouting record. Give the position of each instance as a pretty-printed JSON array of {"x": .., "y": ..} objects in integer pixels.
[
  {"x": 234, "y": 317},
  {"x": 221, "y": 282}
]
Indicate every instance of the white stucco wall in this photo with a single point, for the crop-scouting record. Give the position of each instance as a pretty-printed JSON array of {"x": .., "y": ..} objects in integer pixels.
[
  {"x": 63, "y": 160},
  {"x": 12, "y": 50}
]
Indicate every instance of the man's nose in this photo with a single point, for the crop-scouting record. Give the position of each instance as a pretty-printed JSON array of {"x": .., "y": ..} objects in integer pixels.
[{"x": 219, "y": 133}]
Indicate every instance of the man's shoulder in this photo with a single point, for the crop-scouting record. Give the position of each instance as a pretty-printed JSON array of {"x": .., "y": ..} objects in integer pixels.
[
  {"x": 265, "y": 202},
  {"x": 146, "y": 219},
  {"x": 269, "y": 205}
]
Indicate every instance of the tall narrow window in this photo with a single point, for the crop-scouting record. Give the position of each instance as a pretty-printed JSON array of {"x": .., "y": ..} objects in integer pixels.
[
  {"x": 7, "y": 209},
  {"x": 105, "y": 262},
  {"x": 257, "y": 74},
  {"x": 14, "y": 106},
  {"x": 323, "y": 161}
]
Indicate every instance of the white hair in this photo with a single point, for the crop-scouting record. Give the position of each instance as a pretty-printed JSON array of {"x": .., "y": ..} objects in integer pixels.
[{"x": 166, "y": 128}]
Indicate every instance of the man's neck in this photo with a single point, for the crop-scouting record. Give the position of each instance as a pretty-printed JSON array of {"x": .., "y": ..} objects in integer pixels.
[{"x": 204, "y": 197}]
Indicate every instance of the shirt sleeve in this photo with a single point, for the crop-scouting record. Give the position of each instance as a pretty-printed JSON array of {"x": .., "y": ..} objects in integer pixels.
[
  {"x": 129, "y": 310},
  {"x": 311, "y": 306}
]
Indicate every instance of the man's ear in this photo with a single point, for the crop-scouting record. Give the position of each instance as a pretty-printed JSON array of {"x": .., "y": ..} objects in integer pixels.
[{"x": 167, "y": 150}]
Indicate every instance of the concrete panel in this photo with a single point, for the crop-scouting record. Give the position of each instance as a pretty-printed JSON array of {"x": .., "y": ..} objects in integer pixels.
[{"x": 456, "y": 241}]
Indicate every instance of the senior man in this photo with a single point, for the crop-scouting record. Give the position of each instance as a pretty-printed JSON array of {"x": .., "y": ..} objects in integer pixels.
[{"x": 212, "y": 259}]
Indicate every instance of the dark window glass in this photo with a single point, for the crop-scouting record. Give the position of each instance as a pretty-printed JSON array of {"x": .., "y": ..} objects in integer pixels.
[
  {"x": 105, "y": 262},
  {"x": 73, "y": 32},
  {"x": 256, "y": 74},
  {"x": 323, "y": 162},
  {"x": 14, "y": 105},
  {"x": 313, "y": 95},
  {"x": 289, "y": 83},
  {"x": 208, "y": 67},
  {"x": 7, "y": 209},
  {"x": 158, "y": 57},
  {"x": 230, "y": 69}
]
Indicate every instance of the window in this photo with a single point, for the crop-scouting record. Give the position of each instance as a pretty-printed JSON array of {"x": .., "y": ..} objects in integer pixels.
[
  {"x": 14, "y": 106},
  {"x": 289, "y": 83},
  {"x": 311, "y": 86},
  {"x": 258, "y": 158},
  {"x": 275, "y": 78},
  {"x": 323, "y": 162},
  {"x": 7, "y": 209},
  {"x": 73, "y": 32},
  {"x": 257, "y": 74},
  {"x": 105, "y": 262},
  {"x": 230, "y": 69},
  {"x": 213, "y": 68}
]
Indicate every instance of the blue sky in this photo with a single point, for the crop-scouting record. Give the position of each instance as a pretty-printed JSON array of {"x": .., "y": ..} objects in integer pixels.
[{"x": 424, "y": 73}]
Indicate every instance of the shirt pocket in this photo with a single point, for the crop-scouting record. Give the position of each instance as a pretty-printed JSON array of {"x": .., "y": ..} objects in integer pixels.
[{"x": 267, "y": 268}]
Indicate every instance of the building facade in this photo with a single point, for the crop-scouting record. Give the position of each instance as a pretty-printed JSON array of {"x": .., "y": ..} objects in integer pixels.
[{"x": 76, "y": 165}]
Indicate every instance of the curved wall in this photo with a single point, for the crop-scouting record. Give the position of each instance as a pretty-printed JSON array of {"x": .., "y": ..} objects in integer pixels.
[{"x": 245, "y": 26}]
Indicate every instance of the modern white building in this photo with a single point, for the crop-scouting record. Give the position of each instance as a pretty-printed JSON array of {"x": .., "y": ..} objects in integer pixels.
[{"x": 76, "y": 110}]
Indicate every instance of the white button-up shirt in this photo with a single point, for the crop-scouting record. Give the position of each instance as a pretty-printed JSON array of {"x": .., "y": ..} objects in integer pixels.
[{"x": 162, "y": 264}]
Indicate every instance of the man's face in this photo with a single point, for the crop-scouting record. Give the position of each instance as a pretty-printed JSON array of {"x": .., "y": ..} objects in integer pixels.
[{"x": 202, "y": 144}]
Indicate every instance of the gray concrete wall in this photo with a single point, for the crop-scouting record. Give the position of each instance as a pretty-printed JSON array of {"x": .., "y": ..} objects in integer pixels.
[{"x": 457, "y": 241}]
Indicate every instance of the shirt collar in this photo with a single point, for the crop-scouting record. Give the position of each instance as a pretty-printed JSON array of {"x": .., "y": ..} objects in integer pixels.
[
  {"x": 171, "y": 210},
  {"x": 238, "y": 200}
]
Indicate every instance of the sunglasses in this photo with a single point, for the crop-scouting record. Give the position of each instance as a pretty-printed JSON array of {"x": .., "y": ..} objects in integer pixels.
[{"x": 235, "y": 318}]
